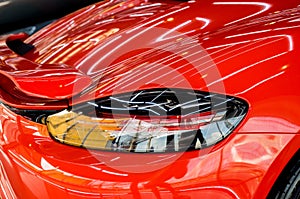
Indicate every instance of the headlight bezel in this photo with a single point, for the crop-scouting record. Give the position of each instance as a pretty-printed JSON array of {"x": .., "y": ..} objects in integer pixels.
[{"x": 216, "y": 112}]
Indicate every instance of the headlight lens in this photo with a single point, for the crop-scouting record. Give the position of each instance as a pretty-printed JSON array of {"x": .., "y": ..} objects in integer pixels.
[{"x": 159, "y": 120}]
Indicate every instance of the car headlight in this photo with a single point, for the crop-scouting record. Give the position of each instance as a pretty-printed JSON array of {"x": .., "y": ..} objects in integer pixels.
[{"x": 157, "y": 120}]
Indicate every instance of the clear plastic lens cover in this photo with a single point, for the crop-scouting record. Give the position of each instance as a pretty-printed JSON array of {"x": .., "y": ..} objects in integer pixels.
[{"x": 160, "y": 120}]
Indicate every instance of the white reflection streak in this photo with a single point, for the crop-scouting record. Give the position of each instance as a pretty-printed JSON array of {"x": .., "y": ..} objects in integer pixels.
[
  {"x": 261, "y": 82},
  {"x": 8, "y": 114},
  {"x": 198, "y": 66},
  {"x": 228, "y": 45},
  {"x": 150, "y": 73},
  {"x": 171, "y": 71},
  {"x": 1, "y": 129},
  {"x": 289, "y": 27},
  {"x": 136, "y": 96},
  {"x": 114, "y": 159},
  {"x": 124, "y": 101},
  {"x": 65, "y": 24},
  {"x": 99, "y": 49},
  {"x": 289, "y": 37},
  {"x": 245, "y": 68},
  {"x": 145, "y": 24},
  {"x": 183, "y": 104},
  {"x": 141, "y": 14},
  {"x": 4, "y": 3},
  {"x": 59, "y": 46},
  {"x": 136, "y": 73},
  {"x": 112, "y": 67},
  {"x": 114, "y": 173},
  {"x": 147, "y": 6},
  {"x": 158, "y": 96},
  {"x": 63, "y": 74},
  {"x": 120, "y": 45},
  {"x": 154, "y": 105},
  {"x": 104, "y": 21},
  {"x": 265, "y": 6},
  {"x": 106, "y": 4},
  {"x": 5, "y": 183},
  {"x": 134, "y": 77},
  {"x": 245, "y": 51},
  {"x": 248, "y": 33},
  {"x": 150, "y": 110},
  {"x": 206, "y": 22},
  {"x": 77, "y": 79},
  {"x": 24, "y": 161},
  {"x": 162, "y": 37},
  {"x": 161, "y": 159},
  {"x": 46, "y": 166},
  {"x": 295, "y": 20},
  {"x": 203, "y": 63},
  {"x": 79, "y": 41},
  {"x": 32, "y": 127},
  {"x": 93, "y": 104}
]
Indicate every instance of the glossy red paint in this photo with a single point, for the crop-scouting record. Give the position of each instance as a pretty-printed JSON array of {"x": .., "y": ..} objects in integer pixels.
[{"x": 116, "y": 47}]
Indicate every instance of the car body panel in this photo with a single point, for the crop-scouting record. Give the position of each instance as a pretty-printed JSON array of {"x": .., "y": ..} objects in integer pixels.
[
  {"x": 116, "y": 47},
  {"x": 64, "y": 170}
]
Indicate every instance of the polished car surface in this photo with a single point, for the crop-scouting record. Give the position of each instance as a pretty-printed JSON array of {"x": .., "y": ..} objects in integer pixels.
[{"x": 154, "y": 99}]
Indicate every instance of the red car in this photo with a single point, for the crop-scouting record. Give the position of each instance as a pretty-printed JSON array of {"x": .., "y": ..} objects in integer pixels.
[{"x": 154, "y": 99}]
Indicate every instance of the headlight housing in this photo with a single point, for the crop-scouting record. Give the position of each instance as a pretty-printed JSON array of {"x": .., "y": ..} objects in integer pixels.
[{"x": 158, "y": 120}]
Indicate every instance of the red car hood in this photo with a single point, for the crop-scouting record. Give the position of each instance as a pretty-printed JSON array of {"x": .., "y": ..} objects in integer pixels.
[{"x": 125, "y": 46}]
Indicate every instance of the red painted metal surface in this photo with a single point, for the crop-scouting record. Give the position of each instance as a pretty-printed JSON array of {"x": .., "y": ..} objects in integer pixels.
[{"x": 246, "y": 49}]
